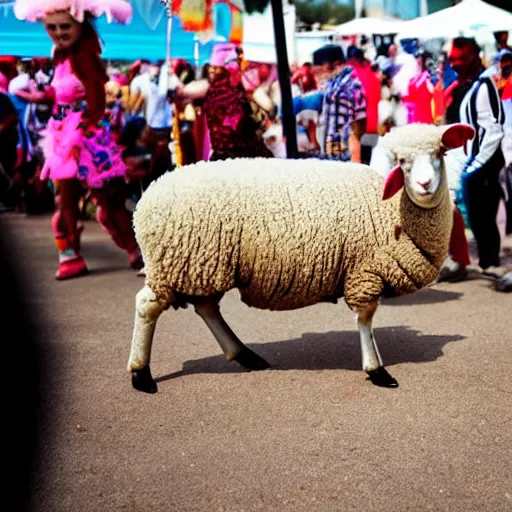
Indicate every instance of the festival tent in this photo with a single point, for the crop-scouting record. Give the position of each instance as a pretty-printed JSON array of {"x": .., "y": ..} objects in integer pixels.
[
  {"x": 306, "y": 43},
  {"x": 258, "y": 35},
  {"x": 466, "y": 18},
  {"x": 369, "y": 26},
  {"x": 144, "y": 38}
]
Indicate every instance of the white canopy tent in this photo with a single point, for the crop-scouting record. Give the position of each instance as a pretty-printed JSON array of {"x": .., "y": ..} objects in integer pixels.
[
  {"x": 258, "y": 39},
  {"x": 369, "y": 26},
  {"x": 306, "y": 43},
  {"x": 467, "y": 18}
]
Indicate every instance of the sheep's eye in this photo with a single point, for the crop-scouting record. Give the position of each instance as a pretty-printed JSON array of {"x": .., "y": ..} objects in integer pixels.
[{"x": 401, "y": 162}]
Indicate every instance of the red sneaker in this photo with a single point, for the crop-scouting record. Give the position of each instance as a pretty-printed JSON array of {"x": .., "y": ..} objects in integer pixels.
[{"x": 71, "y": 268}]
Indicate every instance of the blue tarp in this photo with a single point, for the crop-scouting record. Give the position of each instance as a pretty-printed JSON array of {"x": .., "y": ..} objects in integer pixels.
[{"x": 144, "y": 38}]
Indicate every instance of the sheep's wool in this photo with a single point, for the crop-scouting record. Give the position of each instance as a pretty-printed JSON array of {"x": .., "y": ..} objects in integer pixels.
[{"x": 286, "y": 233}]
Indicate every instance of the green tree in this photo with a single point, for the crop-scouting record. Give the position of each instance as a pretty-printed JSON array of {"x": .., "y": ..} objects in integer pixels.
[{"x": 325, "y": 12}]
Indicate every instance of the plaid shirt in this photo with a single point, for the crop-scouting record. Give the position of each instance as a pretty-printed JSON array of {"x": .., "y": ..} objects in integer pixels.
[{"x": 344, "y": 103}]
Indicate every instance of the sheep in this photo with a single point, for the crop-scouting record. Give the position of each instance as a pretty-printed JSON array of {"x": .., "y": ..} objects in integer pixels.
[
  {"x": 292, "y": 233},
  {"x": 382, "y": 161}
]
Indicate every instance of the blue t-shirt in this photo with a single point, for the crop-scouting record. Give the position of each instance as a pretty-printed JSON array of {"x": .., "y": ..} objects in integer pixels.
[{"x": 310, "y": 101}]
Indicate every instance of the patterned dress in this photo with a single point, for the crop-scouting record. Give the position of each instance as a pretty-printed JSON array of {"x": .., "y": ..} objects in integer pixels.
[{"x": 234, "y": 131}]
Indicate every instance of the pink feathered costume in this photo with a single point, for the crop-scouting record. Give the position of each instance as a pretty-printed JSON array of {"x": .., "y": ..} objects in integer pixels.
[
  {"x": 99, "y": 158},
  {"x": 75, "y": 150}
]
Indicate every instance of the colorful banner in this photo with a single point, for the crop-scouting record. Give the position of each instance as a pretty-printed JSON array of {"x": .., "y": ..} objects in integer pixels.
[
  {"x": 196, "y": 15},
  {"x": 237, "y": 24},
  {"x": 175, "y": 6}
]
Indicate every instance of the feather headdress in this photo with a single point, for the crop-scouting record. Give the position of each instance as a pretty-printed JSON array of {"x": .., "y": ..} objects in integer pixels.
[{"x": 35, "y": 10}]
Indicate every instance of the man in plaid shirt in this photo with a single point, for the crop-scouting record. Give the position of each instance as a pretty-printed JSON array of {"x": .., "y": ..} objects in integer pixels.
[{"x": 343, "y": 108}]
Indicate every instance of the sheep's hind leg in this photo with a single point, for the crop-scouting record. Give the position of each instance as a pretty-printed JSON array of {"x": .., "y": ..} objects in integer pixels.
[
  {"x": 148, "y": 310},
  {"x": 233, "y": 348},
  {"x": 372, "y": 360}
]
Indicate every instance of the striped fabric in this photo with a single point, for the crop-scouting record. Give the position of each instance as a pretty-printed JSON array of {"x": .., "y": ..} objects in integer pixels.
[{"x": 482, "y": 109}]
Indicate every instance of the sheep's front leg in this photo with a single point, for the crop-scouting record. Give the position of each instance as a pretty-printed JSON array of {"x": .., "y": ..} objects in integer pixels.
[
  {"x": 372, "y": 361},
  {"x": 147, "y": 312},
  {"x": 233, "y": 348}
]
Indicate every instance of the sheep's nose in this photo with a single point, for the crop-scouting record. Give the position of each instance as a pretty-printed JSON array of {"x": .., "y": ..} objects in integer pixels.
[{"x": 424, "y": 184}]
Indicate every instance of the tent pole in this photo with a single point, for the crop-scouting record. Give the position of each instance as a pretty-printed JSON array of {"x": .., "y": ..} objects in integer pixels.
[
  {"x": 175, "y": 130},
  {"x": 283, "y": 71},
  {"x": 169, "y": 35}
]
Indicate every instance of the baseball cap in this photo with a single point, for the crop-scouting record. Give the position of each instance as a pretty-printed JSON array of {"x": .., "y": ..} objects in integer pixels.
[{"x": 328, "y": 54}]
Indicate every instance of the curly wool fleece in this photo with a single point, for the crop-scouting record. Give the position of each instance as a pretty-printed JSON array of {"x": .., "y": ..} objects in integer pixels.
[
  {"x": 286, "y": 233},
  {"x": 418, "y": 138}
]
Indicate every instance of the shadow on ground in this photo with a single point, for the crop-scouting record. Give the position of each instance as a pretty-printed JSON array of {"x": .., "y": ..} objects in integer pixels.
[
  {"x": 425, "y": 296},
  {"x": 335, "y": 350}
]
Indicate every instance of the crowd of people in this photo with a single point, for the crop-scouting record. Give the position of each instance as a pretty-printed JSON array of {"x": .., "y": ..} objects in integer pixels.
[{"x": 76, "y": 132}]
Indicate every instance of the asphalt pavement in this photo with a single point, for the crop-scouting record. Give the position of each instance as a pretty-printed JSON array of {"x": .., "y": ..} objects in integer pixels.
[{"x": 311, "y": 434}]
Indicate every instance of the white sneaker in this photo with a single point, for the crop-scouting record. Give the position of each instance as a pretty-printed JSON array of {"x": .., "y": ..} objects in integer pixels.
[
  {"x": 496, "y": 272},
  {"x": 451, "y": 271}
]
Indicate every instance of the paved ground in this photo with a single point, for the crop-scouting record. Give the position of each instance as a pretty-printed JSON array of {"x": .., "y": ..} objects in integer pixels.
[{"x": 310, "y": 435}]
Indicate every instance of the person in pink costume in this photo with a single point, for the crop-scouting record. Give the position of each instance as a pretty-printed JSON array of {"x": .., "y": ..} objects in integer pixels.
[
  {"x": 79, "y": 149},
  {"x": 421, "y": 91}
]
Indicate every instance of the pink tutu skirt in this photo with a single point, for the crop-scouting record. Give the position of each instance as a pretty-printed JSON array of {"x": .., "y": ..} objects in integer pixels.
[{"x": 93, "y": 156}]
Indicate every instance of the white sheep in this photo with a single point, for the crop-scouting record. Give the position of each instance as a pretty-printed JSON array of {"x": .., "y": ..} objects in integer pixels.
[{"x": 292, "y": 233}]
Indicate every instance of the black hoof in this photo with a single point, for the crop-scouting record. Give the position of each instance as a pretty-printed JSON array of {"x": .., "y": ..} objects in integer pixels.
[
  {"x": 251, "y": 361},
  {"x": 143, "y": 381},
  {"x": 381, "y": 377}
]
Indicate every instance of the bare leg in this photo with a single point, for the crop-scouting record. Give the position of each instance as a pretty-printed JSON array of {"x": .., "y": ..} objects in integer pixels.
[
  {"x": 233, "y": 348},
  {"x": 69, "y": 195},
  {"x": 66, "y": 232},
  {"x": 146, "y": 315},
  {"x": 116, "y": 220},
  {"x": 372, "y": 361}
]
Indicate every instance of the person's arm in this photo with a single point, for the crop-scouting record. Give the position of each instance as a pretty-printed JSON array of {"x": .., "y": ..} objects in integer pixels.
[
  {"x": 134, "y": 86},
  {"x": 45, "y": 96},
  {"x": 489, "y": 117},
  {"x": 358, "y": 124},
  {"x": 311, "y": 130},
  {"x": 194, "y": 90},
  {"x": 357, "y": 130},
  {"x": 166, "y": 80}
]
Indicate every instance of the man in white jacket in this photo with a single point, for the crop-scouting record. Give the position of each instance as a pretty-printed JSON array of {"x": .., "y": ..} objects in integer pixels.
[{"x": 481, "y": 108}]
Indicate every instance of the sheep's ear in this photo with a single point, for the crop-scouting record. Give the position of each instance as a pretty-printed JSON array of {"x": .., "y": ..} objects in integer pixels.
[
  {"x": 456, "y": 135},
  {"x": 394, "y": 182}
]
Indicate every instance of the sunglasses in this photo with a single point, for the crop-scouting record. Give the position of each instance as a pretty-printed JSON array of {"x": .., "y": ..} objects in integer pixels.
[{"x": 52, "y": 27}]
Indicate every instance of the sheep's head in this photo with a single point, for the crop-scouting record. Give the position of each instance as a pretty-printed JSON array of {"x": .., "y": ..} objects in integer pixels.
[{"x": 418, "y": 151}]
